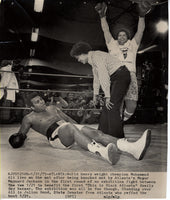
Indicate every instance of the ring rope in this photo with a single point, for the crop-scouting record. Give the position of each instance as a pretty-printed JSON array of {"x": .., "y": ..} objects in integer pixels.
[
  {"x": 55, "y": 75},
  {"x": 157, "y": 3},
  {"x": 15, "y": 108},
  {"x": 63, "y": 109},
  {"x": 44, "y": 74},
  {"x": 38, "y": 90}
]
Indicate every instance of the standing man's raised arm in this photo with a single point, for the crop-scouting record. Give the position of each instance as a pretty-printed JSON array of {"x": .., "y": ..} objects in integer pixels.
[
  {"x": 101, "y": 8},
  {"x": 141, "y": 27},
  {"x": 144, "y": 7},
  {"x": 106, "y": 31}
]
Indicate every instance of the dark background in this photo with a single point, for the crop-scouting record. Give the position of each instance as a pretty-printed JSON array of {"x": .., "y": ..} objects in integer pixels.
[{"x": 64, "y": 22}]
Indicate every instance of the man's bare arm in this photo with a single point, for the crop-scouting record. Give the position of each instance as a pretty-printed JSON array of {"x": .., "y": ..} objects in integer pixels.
[
  {"x": 106, "y": 31},
  {"x": 141, "y": 27},
  {"x": 25, "y": 126},
  {"x": 101, "y": 8}
]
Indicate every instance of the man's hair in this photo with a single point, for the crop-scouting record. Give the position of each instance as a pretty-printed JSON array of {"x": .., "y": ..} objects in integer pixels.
[
  {"x": 17, "y": 140},
  {"x": 31, "y": 96},
  {"x": 80, "y": 48},
  {"x": 123, "y": 30},
  {"x": 5, "y": 63}
]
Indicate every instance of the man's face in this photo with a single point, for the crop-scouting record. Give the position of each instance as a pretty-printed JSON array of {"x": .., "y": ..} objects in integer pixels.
[
  {"x": 82, "y": 58},
  {"x": 122, "y": 38},
  {"x": 38, "y": 104},
  {"x": 71, "y": 96},
  {"x": 91, "y": 104}
]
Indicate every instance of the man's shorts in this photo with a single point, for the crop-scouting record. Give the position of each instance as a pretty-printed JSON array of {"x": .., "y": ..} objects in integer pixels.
[
  {"x": 132, "y": 93},
  {"x": 52, "y": 134}
]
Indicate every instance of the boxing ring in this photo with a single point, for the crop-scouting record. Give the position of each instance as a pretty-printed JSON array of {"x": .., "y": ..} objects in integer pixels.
[{"x": 37, "y": 154}]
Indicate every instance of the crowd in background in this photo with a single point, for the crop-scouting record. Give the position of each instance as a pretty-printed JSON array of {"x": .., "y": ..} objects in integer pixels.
[{"x": 79, "y": 106}]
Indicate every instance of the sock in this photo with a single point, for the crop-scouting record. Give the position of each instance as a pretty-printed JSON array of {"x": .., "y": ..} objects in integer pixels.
[{"x": 127, "y": 115}]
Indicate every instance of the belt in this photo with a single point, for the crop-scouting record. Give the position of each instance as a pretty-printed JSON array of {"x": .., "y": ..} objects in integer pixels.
[
  {"x": 50, "y": 130},
  {"x": 119, "y": 69}
]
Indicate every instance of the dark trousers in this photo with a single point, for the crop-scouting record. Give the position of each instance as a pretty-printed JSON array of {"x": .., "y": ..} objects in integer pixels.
[{"x": 110, "y": 121}]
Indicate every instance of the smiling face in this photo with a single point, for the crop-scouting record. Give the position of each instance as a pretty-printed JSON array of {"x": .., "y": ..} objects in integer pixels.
[
  {"x": 122, "y": 38},
  {"x": 83, "y": 58},
  {"x": 38, "y": 104}
]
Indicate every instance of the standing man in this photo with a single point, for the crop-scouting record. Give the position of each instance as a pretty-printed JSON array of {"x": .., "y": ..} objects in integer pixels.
[
  {"x": 126, "y": 50},
  {"x": 114, "y": 79}
]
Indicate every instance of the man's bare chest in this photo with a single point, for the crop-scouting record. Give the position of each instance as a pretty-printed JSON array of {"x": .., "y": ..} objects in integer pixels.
[{"x": 45, "y": 118}]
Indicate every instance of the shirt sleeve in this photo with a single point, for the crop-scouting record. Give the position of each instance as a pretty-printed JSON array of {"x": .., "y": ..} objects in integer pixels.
[
  {"x": 96, "y": 82},
  {"x": 6, "y": 76},
  {"x": 103, "y": 74},
  {"x": 105, "y": 81},
  {"x": 134, "y": 45},
  {"x": 111, "y": 45}
]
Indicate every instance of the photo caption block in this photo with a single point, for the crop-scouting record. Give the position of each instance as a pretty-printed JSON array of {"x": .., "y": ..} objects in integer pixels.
[{"x": 87, "y": 185}]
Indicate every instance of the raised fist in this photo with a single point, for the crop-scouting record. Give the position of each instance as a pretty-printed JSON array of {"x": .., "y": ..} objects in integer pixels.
[
  {"x": 101, "y": 9},
  {"x": 144, "y": 7},
  {"x": 98, "y": 7}
]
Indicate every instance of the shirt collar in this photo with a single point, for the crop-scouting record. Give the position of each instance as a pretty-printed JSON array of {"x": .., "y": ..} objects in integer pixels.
[{"x": 125, "y": 45}]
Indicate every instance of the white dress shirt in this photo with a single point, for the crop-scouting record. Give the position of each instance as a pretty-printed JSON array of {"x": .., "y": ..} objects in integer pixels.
[{"x": 103, "y": 66}]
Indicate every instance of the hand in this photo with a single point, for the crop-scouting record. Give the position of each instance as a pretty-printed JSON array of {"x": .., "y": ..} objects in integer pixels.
[
  {"x": 101, "y": 8},
  {"x": 109, "y": 104},
  {"x": 95, "y": 100},
  {"x": 5, "y": 92}
]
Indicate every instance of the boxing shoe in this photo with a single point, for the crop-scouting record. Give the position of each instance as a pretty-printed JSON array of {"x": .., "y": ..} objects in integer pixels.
[
  {"x": 109, "y": 152},
  {"x": 136, "y": 149}
]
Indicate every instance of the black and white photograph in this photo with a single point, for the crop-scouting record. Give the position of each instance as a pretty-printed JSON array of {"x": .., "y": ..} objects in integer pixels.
[{"x": 84, "y": 99}]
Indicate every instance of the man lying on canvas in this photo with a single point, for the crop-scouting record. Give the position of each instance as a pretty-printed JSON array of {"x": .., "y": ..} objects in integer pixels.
[{"x": 62, "y": 132}]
